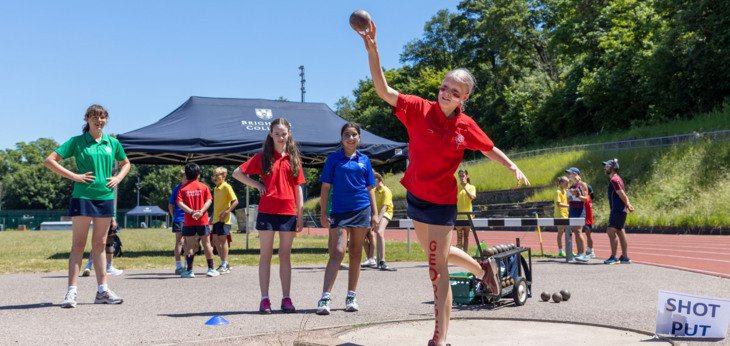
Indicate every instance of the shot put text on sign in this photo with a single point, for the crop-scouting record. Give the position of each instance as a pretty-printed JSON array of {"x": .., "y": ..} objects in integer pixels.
[{"x": 684, "y": 315}]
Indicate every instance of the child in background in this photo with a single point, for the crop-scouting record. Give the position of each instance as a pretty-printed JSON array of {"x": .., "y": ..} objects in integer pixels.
[
  {"x": 178, "y": 217},
  {"x": 110, "y": 270},
  {"x": 376, "y": 236},
  {"x": 588, "y": 228},
  {"x": 561, "y": 210},
  {"x": 194, "y": 199},
  {"x": 224, "y": 202},
  {"x": 467, "y": 193}
]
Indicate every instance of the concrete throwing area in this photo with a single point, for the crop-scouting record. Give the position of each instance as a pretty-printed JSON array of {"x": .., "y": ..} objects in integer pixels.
[{"x": 161, "y": 308}]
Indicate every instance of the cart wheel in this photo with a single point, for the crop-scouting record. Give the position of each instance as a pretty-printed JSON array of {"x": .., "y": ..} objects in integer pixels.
[{"x": 519, "y": 292}]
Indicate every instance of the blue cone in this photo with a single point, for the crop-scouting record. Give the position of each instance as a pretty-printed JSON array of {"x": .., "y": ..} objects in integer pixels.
[{"x": 216, "y": 321}]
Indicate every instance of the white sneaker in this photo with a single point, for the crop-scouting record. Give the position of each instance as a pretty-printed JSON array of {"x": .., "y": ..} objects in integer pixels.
[
  {"x": 323, "y": 306},
  {"x": 212, "y": 273},
  {"x": 69, "y": 301},
  {"x": 591, "y": 255},
  {"x": 108, "y": 297},
  {"x": 86, "y": 272},
  {"x": 351, "y": 304},
  {"x": 369, "y": 263},
  {"x": 581, "y": 258},
  {"x": 114, "y": 271}
]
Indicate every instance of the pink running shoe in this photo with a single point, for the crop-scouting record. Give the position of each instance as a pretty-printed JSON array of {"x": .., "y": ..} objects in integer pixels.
[
  {"x": 490, "y": 278},
  {"x": 265, "y": 306},
  {"x": 287, "y": 306}
]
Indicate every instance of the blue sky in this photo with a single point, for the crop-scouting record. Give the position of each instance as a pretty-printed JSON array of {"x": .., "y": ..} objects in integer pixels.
[{"x": 142, "y": 59}]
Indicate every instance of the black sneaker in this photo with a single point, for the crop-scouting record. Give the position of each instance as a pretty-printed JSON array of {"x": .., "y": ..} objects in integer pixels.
[
  {"x": 624, "y": 260},
  {"x": 384, "y": 266}
]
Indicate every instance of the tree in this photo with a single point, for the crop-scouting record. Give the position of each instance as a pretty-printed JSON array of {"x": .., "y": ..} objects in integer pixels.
[
  {"x": 689, "y": 70},
  {"x": 28, "y": 183},
  {"x": 438, "y": 46}
]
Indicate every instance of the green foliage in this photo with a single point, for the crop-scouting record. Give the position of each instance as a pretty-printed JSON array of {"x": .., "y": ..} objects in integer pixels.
[
  {"x": 553, "y": 69},
  {"x": 27, "y": 183}
]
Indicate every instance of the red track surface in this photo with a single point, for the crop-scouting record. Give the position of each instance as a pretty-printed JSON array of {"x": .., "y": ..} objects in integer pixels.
[{"x": 697, "y": 253}]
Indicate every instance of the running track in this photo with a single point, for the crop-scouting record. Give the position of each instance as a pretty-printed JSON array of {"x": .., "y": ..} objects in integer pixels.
[{"x": 697, "y": 253}]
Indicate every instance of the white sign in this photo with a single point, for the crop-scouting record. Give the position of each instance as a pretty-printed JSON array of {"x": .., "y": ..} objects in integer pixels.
[{"x": 691, "y": 316}]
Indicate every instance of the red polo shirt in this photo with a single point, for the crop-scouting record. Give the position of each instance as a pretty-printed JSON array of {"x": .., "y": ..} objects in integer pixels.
[
  {"x": 280, "y": 184},
  {"x": 436, "y": 147},
  {"x": 194, "y": 194}
]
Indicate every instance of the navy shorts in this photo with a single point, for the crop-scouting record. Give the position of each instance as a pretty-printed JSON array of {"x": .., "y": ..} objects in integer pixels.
[
  {"x": 588, "y": 228},
  {"x": 430, "y": 213},
  {"x": 220, "y": 228},
  {"x": 577, "y": 212},
  {"x": 91, "y": 207},
  {"x": 617, "y": 220},
  {"x": 351, "y": 219},
  {"x": 177, "y": 227},
  {"x": 274, "y": 222},
  {"x": 201, "y": 231}
]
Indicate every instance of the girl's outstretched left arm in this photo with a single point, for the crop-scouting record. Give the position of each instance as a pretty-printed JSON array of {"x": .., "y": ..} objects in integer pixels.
[{"x": 498, "y": 156}]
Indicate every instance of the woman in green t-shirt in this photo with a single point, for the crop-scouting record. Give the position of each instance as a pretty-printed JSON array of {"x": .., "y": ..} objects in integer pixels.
[{"x": 92, "y": 198}]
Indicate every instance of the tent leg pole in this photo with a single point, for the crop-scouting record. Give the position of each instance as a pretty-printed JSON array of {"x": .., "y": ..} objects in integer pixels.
[
  {"x": 409, "y": 240},
  {"x": 247, "y": 216}
]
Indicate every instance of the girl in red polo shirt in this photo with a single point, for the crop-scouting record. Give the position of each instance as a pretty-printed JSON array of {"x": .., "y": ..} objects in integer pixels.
[
  {"x": 280, "y": 207},
  {"x": 439, "y": 133}
]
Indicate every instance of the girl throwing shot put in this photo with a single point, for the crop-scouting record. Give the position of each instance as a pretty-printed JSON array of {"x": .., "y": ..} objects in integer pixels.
[{"x": 439, "y": 133}]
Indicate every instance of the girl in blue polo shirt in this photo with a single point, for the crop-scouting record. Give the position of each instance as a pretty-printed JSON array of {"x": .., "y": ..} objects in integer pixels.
[
  {"x": 349, "y": 175},
  {"x": 92, "y": 198}
]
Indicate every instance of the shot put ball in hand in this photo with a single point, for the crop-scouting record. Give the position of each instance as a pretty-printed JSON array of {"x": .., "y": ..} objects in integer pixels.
[{"x": 360, "y": 21}]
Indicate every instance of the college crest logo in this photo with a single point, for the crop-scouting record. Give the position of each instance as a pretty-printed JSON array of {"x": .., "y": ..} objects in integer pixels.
[
  {"x": 459, "y": 140},
  {"x": 264, "y": 114}
]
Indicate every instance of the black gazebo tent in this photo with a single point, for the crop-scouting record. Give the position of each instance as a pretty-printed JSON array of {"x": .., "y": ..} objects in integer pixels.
[
  {"x": 220, "y": 131},
  {"x": 146, "y": 211}
]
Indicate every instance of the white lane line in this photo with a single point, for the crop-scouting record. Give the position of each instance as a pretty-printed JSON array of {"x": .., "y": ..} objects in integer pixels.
[
  {"x": 683, "y": 268},
  {"x": 632, "y": 252}
]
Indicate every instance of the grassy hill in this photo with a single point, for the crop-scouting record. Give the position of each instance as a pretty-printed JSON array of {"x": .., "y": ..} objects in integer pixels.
[{"x": 685, "y": 184}]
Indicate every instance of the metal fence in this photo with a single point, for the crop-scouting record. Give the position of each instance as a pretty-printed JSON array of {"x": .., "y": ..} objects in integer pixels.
[
  {"x": 31, "y": 219},
  {"x": 653, "y": 142}
]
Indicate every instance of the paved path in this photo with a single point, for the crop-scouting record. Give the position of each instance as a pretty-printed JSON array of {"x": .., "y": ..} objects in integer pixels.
[
  {"x": 162, "y": 308},
  {"x": 705, "y": 254}
]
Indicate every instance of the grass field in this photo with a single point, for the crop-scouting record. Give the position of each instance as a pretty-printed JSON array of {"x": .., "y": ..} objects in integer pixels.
[{"x": 47, "y": 251}]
